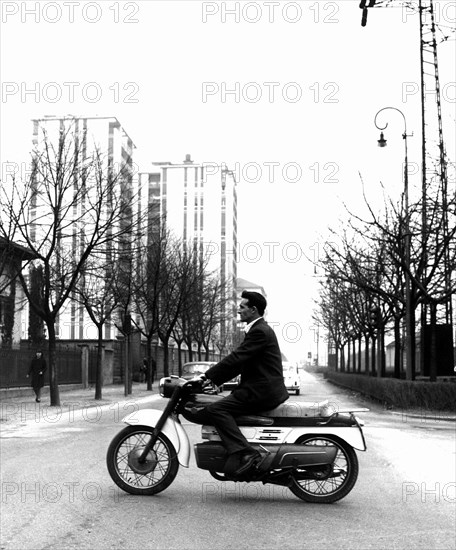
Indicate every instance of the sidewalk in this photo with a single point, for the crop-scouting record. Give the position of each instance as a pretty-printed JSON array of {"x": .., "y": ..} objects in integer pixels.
[
  {"x": 19, "y": 409},
  {"x": 110, "y": 394}
]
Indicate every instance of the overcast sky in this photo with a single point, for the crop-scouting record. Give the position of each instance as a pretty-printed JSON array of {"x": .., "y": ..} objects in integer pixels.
[{"x": 284, "y": 93}]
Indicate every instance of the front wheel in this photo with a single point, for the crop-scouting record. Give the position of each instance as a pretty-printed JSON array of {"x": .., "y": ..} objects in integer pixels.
[
  {"x": 150, "y": 477},
  {"x": 328, "y": 483}
]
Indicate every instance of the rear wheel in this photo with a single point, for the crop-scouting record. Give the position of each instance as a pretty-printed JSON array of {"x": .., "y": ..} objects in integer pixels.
[
  {"x": 328, "y": 483},
  {"x": 150, "y": 477}
]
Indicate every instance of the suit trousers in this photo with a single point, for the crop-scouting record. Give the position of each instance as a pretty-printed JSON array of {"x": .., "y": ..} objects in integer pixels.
[{"x": 222, "y": 416}]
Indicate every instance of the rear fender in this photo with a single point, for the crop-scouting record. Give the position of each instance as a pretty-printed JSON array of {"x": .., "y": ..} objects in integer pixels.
[
  {"x": 353, "y": 436},
  {"x": 172, "y": 429}
]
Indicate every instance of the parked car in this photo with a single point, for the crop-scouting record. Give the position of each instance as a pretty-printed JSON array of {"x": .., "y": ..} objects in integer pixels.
[
  {"x": 291, "y": 376},
  {"x": 194, "y": 368}
]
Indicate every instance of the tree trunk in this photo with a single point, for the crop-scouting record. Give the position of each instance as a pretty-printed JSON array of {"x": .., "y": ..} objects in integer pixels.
[
  {"x": 397, "y": 347},
  {"x": 360, "y": 339},
  {"x": 342, "y": 359},
  {"x": 179, "y": 358},
  {"x": 433, "y": 350},
  {"x": 130, "y": 365},
  {"x": 53, "y": 378},
  {"x": 165, "y": 357},
  {"x": 413, "y": 336},
  {"x": 381, "y": 367},
  {"x": 373, "y": 362},
  {"x": 99, "y": 371},
  {"x": 354, "y": 354},
  {"x": 150, "y": 374},
  {"x": 366, "y": 358},
  {"x": 348, "y": 355}
]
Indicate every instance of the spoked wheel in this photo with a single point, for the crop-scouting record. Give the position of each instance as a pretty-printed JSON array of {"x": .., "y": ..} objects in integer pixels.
[
  {"x": 153, "y": 475},
  {"x": 328, "y": 483}
]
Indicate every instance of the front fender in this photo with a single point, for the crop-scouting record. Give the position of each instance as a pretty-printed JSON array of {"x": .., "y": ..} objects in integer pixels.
[{"x": 172, "y": 429}]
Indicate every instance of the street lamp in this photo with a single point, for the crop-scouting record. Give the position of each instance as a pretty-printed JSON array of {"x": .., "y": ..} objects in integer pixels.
[{"x": 408, "y": 302}]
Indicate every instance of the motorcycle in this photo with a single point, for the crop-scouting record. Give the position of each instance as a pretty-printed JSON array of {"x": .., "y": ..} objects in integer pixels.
[{"x": 307, "y": 447}]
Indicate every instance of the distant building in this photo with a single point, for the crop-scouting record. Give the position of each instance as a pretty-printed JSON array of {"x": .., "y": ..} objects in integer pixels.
[
  {"x": 198, "y": 203},
  {"x": 90, "y": 134},
  {"x": 12, "y": 297}
]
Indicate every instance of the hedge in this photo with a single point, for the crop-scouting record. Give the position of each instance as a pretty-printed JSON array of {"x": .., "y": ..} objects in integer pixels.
[{"x": 406, "y": 394}]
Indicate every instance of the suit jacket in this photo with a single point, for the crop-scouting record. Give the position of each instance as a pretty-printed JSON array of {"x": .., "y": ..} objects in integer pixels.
[{"x": 259, "y": 362}]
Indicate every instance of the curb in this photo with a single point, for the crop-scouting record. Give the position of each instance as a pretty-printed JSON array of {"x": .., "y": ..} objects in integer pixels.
[{"x": 424, "y": 415}]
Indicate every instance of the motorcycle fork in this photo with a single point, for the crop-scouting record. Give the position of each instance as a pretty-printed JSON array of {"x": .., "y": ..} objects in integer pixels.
[{"x": 160, "y": 423}]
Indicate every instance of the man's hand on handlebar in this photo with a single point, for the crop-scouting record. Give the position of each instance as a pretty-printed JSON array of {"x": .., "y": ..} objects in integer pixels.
[{"x": 202, "y": 380}]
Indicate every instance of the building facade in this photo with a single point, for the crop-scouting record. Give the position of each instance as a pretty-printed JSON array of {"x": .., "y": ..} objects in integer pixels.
[
  {"x": 87, "y": 137},
  {"x": 12, "y": 298},
  {"x": 198, "y": 203}
]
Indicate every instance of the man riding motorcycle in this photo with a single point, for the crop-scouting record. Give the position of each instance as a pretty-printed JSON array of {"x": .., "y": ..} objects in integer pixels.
[{"x": 259, "y": 362}]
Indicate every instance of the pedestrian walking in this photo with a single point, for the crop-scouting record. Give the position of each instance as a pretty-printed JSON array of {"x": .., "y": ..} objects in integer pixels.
[
  {"x": 37, "y": 369},
  {"x": 144, "y": 370}
]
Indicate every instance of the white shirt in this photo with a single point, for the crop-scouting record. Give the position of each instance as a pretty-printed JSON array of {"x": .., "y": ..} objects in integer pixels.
[{"x": 250, "y": 325}]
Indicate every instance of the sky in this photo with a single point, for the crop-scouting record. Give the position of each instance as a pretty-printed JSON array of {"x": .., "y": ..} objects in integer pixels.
[{"x": 284, "y": 93}]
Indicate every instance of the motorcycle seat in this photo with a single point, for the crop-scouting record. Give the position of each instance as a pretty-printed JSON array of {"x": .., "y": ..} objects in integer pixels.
[
  {"x": 289, "y": 409},
  {"x": 301, "y": 409}
]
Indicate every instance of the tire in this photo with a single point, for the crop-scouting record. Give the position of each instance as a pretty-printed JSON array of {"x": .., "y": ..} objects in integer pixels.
[
  {"x": 149, "y": 478},
  {"x": 336, "y": 482},
  {"x": 297, "y": 392}
]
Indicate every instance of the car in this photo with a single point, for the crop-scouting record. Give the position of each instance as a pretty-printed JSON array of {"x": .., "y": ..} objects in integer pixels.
[
  {"x": 194, "y": 368},
  {"x": 291, "y": 376}
]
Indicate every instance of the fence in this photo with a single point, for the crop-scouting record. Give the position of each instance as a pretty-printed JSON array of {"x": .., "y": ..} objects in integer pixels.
[{"x": 15, "y": 363}]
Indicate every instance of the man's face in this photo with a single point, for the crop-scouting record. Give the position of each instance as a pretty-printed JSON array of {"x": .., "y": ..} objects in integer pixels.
[{"x": 246, "y": 313}]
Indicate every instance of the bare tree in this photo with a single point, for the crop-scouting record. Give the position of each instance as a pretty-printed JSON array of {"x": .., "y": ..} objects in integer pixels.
[
  {"x": 148, "y": 288},
  {"x": 70, "y": 207},
  {"x": 184, "y": 270},
  {"x": 97, "y": 290},
  {"x": 373, "y": 257}
]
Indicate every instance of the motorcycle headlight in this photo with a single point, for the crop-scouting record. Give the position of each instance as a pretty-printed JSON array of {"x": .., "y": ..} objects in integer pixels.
[{"x": 168, "y": 384}]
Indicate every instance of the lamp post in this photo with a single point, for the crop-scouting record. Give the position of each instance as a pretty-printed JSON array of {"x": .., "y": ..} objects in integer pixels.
[{"x": 408, "y": 300}]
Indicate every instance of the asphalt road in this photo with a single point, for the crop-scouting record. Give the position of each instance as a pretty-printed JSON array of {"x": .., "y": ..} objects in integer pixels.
[{"x": 57, "y": 494}]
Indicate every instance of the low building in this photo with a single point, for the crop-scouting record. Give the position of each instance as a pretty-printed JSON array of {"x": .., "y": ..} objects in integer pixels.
[{"x": 12, "y": 297}]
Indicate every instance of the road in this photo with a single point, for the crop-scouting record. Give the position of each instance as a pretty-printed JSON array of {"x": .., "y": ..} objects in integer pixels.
[{"x": 57, "y": 494}]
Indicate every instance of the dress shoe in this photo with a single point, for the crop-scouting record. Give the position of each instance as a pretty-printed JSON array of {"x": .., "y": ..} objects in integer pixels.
[{"x": 247, "y": 461}]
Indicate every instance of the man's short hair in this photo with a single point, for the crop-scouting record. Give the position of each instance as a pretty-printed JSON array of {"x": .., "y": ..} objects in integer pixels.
[{"x": 255, "y": 299}]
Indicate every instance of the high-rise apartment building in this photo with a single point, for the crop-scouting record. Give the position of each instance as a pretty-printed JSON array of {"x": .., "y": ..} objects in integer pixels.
[
  {"x": 86, "y": 136},
  {"x": 198, "y": 203}
]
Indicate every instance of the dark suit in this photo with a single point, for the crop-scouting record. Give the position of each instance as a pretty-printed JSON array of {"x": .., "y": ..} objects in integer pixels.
[{"x": 259, "y": 362}]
